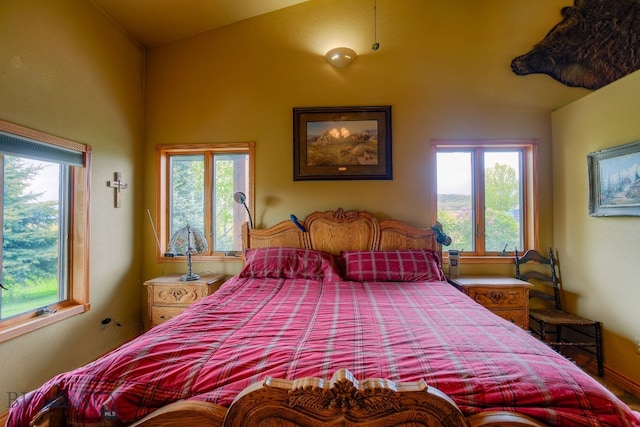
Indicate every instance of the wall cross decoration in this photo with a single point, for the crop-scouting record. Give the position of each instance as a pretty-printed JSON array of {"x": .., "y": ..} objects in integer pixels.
[{"x": 117, "y": 185}]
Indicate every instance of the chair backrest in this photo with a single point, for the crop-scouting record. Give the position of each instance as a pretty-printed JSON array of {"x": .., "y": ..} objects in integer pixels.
[{"x": 551, "y": 277}]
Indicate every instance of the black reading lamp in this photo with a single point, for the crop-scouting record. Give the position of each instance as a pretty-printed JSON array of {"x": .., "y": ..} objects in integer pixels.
[
  {"x": 241, "y": 198},
  {"x": 187, "y": 241},
  {"x": 441, "y": 236}
]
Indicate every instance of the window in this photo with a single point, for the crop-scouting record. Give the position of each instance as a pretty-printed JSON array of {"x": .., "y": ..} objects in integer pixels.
[
  {"x": 485, "y": 195},
  {"x": 44, "y": 217},
  {"x": 197, "y": 187}
]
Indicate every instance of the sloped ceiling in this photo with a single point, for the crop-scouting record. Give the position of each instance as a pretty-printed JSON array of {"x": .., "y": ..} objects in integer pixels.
[{"x": 155, "y": 22}]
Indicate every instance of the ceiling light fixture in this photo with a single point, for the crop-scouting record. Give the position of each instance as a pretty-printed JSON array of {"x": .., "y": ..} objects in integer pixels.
[{"x": 340, "y": 57}]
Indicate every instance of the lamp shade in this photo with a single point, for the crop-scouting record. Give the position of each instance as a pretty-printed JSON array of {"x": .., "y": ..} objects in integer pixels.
[
  {"x": 187, "y": 241},
  {"x": 340, "y": 57}
]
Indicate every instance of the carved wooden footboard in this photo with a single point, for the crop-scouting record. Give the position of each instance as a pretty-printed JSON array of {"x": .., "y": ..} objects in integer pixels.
[{"x": 341, "y": 401}]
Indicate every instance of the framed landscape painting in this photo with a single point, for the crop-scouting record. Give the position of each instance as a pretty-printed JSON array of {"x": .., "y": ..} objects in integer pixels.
[
  {"x": 614, "y": 181},
  {"x": 332, "y": 143}
]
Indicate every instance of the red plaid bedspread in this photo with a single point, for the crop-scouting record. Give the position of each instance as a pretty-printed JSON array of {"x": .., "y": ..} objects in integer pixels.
[{"x": 290, "y": 328}]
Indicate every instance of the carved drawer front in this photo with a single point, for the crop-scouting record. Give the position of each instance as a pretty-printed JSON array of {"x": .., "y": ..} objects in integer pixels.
[
  {"x": 519, "y": 317},
  {"x": 497, "y": 297},
  {"x": 162, "y": 314},
  {"x": 168, "y": 296},
  {"x": 504, "y": 296},
  {"x": 176, "y": 295}
]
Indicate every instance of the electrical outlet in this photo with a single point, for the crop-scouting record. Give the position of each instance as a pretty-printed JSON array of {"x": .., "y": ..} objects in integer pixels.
[{"x": 637, "y": 345}]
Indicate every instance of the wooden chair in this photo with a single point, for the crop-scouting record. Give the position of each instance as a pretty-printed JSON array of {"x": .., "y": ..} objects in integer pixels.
[{"x": 548, "y": 323}]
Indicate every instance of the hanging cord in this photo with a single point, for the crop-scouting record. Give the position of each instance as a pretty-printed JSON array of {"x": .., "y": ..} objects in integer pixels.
[
  {"x": 375, "y": 44},
  {"x": 155, "y": 233}
]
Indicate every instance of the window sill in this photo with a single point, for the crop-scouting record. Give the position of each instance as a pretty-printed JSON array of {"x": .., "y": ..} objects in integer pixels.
[
  {"x": 202, "y": 258},
  {"x": 476, "y": 259},
  {"x": 20, "y": 326}
]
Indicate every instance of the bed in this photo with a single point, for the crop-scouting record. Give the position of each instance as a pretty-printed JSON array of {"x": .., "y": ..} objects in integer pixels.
[{"x": 341, "y": 319}]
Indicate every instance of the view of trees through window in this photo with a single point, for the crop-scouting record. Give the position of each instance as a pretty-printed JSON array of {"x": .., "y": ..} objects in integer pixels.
[
  {"x": 480, "y": 196},
  {"x": 223, "y": 190},
  {"x": 31, "y": 231},
  {"x": 200, "y": 181},
  {"x": 187, "y": 192}
]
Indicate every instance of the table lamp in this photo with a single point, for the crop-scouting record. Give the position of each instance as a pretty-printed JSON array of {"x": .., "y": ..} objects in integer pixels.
[{"x": 187, "y": 241}]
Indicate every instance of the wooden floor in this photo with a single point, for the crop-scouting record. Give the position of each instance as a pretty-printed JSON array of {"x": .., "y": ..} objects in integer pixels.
[
  {"x": 588, "y": 366},
  {"x": 626, "y": 397}
]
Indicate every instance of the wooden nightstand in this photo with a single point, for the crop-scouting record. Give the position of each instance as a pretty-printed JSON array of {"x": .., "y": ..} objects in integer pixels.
[
  {"x": 168, "y": 296},
  {"x": 505, "y": 296}
]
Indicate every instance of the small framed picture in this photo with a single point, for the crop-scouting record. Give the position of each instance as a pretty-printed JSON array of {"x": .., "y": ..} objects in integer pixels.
[
  {"x": 614, "y": 181},
  {"x": 333, "y": 143}
]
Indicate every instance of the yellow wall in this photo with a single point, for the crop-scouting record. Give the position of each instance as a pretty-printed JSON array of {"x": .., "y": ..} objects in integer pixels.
[
  {"x": 444, "y": 67},
  {"x": 598, "y": 255},
  {"x": 66, "y": 70}
]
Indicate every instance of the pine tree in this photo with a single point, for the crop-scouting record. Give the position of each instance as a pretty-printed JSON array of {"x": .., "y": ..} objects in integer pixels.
[{"x": 30, "y": 227}]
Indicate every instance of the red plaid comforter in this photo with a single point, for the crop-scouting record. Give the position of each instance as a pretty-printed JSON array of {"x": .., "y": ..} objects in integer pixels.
[{"x": 291, "y": 328}]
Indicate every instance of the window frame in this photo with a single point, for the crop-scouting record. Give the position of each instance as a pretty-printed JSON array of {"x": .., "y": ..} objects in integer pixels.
[
  {"x": 529, "y": 186},
  {"x": 79, "y": 216},
  {"x": 163, "y": 208}
]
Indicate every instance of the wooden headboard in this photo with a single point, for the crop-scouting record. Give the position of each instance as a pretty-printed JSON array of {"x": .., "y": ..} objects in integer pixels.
[{"x": 343, "y": 230}]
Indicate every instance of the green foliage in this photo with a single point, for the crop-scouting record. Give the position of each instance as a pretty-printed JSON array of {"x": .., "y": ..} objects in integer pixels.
[
  {"x": 188, "y": 195},
  {"x": 502, "y": 231},
  {"x": 501, "y": 204},
  {"x": 29, "y": 296},
  {"x": 502, "y": 197},
  {"x": 458, "y": 226},
  {"x": 30, "y": 241},
  {"x": 224, "y": 205},
  {"x": 501, "y": 188},
  {"x": 30, "y": 227},
  {"x": 187, "y": 192}
]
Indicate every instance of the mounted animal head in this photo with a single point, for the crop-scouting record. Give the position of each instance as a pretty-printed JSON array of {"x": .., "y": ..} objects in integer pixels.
[{"x": 596, "y": 43}]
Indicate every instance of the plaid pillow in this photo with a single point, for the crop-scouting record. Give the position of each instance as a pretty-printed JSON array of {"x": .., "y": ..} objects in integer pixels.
[
  {"x": 409, "y": 265},
  {"x": 289, "y": 263}
]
